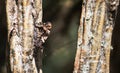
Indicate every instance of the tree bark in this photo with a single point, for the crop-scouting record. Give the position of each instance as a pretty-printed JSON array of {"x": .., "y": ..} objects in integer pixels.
[
  {"x": 22, "y": 15},
  {"x": 94, "y": 36}
]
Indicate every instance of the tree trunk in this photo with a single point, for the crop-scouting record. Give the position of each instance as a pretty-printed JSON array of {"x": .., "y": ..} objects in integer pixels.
[
  {"x": 22, "y": 15},
  {"x": 94, "y": 36}
]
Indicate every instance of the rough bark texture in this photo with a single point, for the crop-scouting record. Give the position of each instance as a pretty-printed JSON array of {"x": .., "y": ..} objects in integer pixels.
[
  {"x": 22, "y": 15},
  {"x": 94, "y": 36}
]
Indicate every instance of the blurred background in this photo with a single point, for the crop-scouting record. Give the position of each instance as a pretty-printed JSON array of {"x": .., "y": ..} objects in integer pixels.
[{"x": 60, "y": 47}]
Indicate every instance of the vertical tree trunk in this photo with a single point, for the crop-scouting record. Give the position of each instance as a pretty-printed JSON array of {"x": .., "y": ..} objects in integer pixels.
[
  {"x": 94, "y": 36},
  {"x": 22, "y": 16}
]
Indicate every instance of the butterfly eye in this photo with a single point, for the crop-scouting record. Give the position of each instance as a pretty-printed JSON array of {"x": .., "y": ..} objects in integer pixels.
[{"x": 48, "y": 25}]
